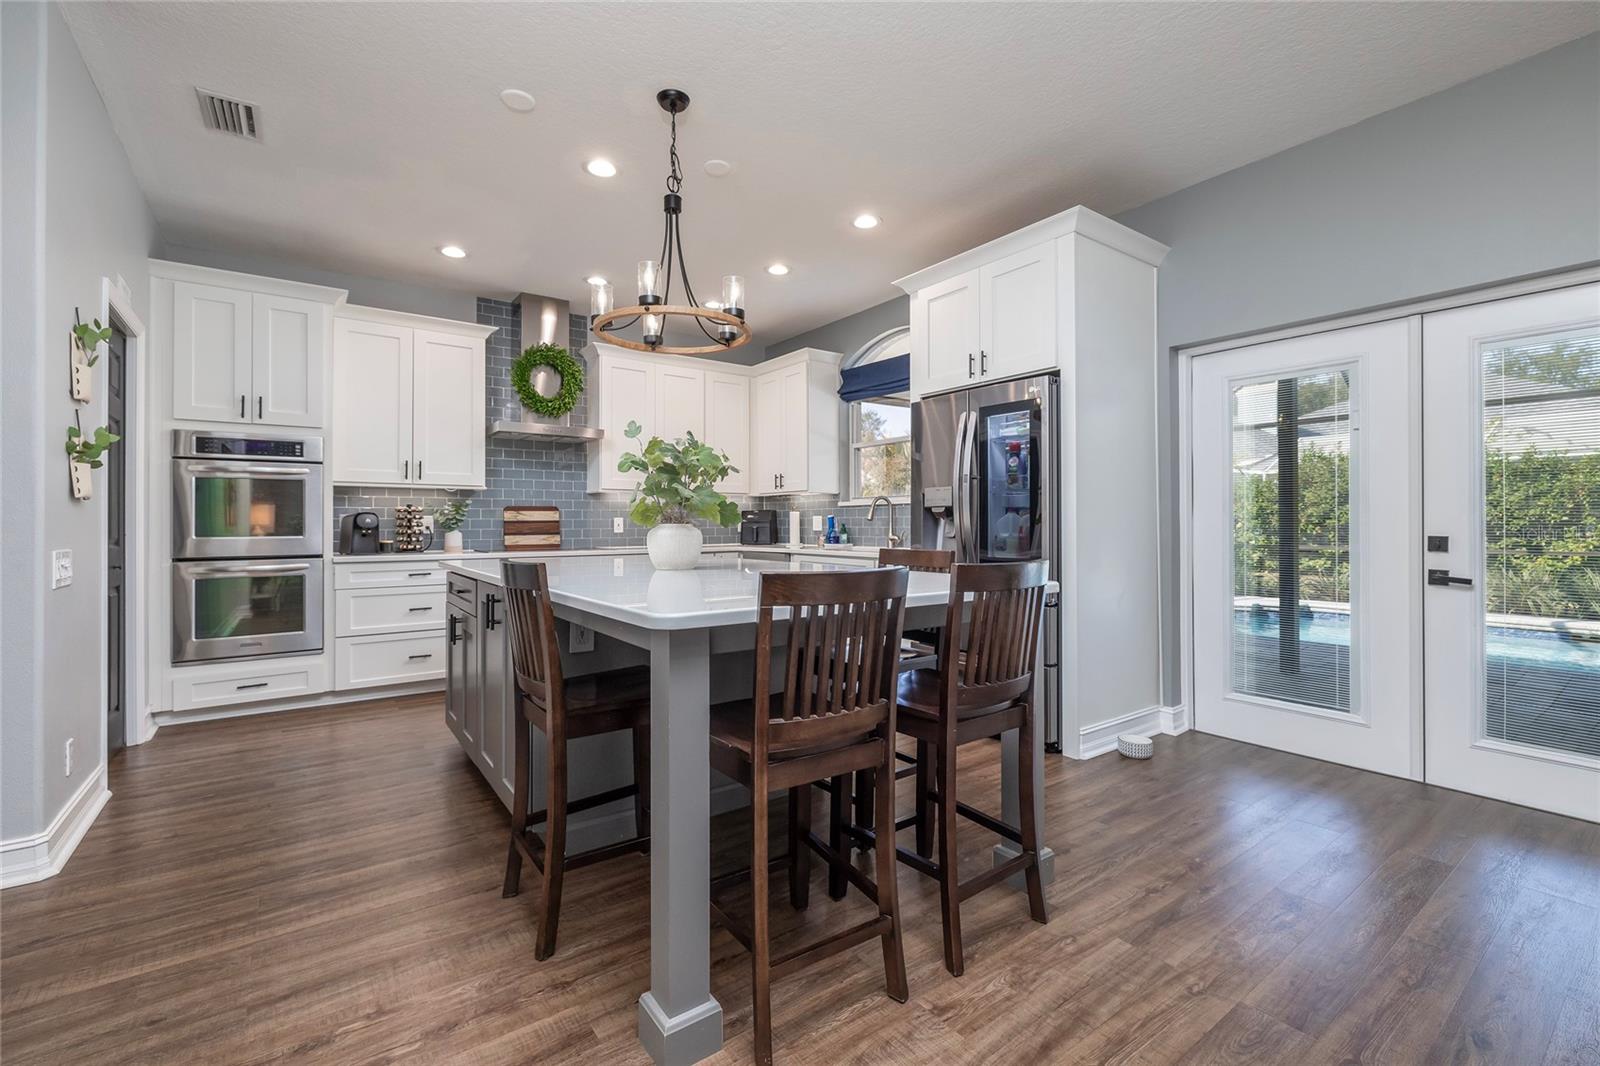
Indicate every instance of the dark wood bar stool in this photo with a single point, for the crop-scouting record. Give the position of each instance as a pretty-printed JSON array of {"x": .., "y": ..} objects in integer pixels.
[
  {"x": 565, "y": 710},
  {"x": 983, "y": 687},
  {"x": 833, "y": 714}
]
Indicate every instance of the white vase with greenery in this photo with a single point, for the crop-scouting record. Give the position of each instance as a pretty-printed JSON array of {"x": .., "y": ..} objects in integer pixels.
[
  {"x": 679, "y": 483},
  {"x": 448, "y": 519}
]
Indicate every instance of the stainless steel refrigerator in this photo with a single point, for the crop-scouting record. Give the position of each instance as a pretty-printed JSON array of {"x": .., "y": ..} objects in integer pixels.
[{"x": 984, "y": 484}]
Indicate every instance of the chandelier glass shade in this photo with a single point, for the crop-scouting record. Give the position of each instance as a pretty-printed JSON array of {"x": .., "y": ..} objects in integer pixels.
[{"x": 722, "y": 323}]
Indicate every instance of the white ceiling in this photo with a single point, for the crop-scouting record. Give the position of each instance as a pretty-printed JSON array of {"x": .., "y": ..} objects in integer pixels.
[{"x": 384, "y": 136}]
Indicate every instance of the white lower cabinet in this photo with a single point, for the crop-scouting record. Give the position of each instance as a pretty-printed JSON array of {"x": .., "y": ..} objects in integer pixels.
[
  {"x": 222, "y": 684},
  {"x": 389, "y": 660},
  {"x": 364, "y": 612}
]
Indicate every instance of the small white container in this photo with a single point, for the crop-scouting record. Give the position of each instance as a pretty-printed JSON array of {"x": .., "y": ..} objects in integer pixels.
[
  {"x": 453, "y": 542},
  {"x": 1135, "y": 745},
  {"x": 674, "y": 546}
]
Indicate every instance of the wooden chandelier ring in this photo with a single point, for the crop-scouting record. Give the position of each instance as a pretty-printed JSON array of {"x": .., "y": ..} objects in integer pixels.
[{"x": 601, "y": 333}]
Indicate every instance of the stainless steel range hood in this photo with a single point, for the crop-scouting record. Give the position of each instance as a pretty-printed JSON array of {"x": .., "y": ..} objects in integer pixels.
[{"x": 545, "y": 320}]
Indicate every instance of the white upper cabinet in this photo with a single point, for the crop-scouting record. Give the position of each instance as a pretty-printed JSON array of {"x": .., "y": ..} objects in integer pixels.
[
  {"x": 408, "y": 400},
  {"x": 622, "y": 389},
  {"x": 681, "y": 400},
  {"x": 1018, "y": 313},
  {"x": 946, "y": 333},
  {"x": 245, "y": 349},
  {"x": 797, "y": 425},
  {"x": 448, "y": 409},
  {"x": 290, "y": 351},
  {"x": 372, "y": 362},
  {"x": 211, "y": 353},
  {"x": 1016, "y": 305},
  {"x": 728, "y": 425},
  {"x": 766, "y": 430}
]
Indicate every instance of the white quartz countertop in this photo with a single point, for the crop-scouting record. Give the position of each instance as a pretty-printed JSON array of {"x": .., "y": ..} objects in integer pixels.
[
  {"x": 852, "y": 551},
  {"x": 721, "y": 591}
]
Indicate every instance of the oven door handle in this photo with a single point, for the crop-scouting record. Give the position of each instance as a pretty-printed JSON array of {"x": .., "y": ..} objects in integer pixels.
[
  {"x": 226, "y": 569},
  {"x": 248, "y": 471}
]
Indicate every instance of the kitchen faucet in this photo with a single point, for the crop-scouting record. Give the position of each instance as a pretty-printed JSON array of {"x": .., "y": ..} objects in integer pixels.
[{"x": 872, "y": 510}]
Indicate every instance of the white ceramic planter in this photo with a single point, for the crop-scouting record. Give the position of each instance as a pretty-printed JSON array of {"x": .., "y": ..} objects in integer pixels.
[
  {"x": 83, "y": 480},
  {"x": 452, "y": 541},
  {"x": 674, "y": 546}
]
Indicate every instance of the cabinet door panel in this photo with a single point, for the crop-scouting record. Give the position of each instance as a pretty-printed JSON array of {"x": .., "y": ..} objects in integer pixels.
[
  {"x": 210, "y": 353},
  {"x": 449, "y": 410},
  {"x": 728, "y": 426},
  {"x": 680, "y": 401},
  {"x": 767, "y": 431},
  {"x": 949, "y": 335},
  {"x": 796, "y": 440},
  {"x": 372, "y": 385},
  {"x": 1019, "y": 313},
  {"x": 289, "y": 360},
  {"x": 627, "y": 394}
]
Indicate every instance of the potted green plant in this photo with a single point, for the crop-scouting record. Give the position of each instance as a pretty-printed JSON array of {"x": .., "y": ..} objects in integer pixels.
[
  {"x": 679, "y": 483},
  {"x": 449, "y": 518},
  {"x": 83, "y": 455}
]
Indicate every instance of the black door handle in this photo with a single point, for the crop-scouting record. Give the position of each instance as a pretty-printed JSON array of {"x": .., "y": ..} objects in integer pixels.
[
  {"x": 489, "y": 621},
  {"x": 453, "y": 635},
  {"x": 1443, "y": 578}
]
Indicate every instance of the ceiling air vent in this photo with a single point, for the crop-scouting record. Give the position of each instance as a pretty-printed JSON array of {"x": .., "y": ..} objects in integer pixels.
[{"x": 229, "y": 116}]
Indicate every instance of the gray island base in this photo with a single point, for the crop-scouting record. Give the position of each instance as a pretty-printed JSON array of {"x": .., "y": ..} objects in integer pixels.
[{"x": 681, "y": 622}]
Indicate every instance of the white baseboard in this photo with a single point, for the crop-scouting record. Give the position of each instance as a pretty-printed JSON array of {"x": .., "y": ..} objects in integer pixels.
[
  {"x": 1101, "y": 737},
  {"x": 28, "y": 859}
]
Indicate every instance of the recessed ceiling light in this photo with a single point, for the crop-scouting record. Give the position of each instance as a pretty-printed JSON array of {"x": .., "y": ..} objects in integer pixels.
[
  {"x": 517, "y": 100},
  {"x": 865, "y": 220},
  {"x": 601, "y": 168},
  {"x": 718, "y": 168},
  {"x": 453, "y": 251},
  {"x": 777, "y": 270},
  {"x": 594, "y": 279}
]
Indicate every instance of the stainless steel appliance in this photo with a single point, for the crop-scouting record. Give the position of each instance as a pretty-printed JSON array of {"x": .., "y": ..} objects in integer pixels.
[
  {"x": 358, "y": 533},
  {"x": 242, "y": 608},
  {"x": 236, "y": 497},
  {"x": 984, "y": 484},
  {"x": 758, "y": 527},
  {"x": 247, "y": 535}
]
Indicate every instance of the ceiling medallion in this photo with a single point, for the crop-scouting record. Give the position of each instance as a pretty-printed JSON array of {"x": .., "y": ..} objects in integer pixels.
[{"x": 725, "y": 327}]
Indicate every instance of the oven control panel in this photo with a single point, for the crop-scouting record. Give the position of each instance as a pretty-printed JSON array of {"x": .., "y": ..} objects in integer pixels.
[{"x": 252, "y": 447}]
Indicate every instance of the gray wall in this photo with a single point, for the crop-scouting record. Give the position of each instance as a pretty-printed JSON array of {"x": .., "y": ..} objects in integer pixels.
[
  {"x": 366, "y": 291},
  {"x": 72, "y": 215},
  {"x": 849, "y": 333},
  {"x": 1493, "y": 179}
]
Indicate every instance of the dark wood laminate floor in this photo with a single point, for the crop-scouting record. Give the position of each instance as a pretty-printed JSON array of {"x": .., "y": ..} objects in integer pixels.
[{"x": 324, "y": 888}]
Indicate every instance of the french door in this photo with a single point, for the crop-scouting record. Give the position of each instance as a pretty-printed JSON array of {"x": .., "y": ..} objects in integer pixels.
[
  {"x": 1305, "y": 588},
  {"x": 1511, "y": 410},
  {"x": 1395, "y": 547}
]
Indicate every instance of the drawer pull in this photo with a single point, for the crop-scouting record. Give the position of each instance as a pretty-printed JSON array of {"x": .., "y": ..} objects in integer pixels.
[
  {"x": 253, "y": 684},
  {"x": 424, "y": 655},
  {"x": 421, "y": 573},
  {"x": 414, "y": 610}
]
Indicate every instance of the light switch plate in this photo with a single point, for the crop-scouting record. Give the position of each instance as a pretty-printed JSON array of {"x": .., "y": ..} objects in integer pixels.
[
  {"x": 581, "y": 639},
  {"x": 616, "y": 525},
  {"x": 60, "y": 568}
]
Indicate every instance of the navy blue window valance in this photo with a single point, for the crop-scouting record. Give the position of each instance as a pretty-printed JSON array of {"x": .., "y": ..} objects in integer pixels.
[{"x": 882, "y": 378}]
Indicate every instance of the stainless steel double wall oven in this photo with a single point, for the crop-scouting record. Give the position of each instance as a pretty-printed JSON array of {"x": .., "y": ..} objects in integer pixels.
[{"x": 247, "y": 536}]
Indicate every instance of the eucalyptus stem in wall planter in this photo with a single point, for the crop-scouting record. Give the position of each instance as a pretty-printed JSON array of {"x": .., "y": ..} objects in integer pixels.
[
  {"x": 83, "y": 455},
  {"x": 680, "y": 480}
]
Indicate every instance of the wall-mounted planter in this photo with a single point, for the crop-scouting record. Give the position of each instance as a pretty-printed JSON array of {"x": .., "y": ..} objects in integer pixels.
[{"x": 82, "y": 482}]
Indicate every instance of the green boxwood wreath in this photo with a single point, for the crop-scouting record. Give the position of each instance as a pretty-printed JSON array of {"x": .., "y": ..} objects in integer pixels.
[{"x": 558, "y": 359}]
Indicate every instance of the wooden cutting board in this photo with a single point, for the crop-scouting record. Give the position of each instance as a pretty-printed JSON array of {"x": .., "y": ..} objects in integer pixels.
[{"x": 528, "y": 528}]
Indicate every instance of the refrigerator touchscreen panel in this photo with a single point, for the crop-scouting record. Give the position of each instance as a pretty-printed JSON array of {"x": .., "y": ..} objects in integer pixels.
[{"x": 1008, "y": 482}]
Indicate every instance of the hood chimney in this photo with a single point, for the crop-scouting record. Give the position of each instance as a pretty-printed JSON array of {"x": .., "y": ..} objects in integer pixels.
[{"x": 545, "y": 320}]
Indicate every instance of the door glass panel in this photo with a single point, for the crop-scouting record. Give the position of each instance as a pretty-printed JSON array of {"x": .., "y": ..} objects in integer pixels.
[
  {"x": 1008, "y": 488},
  {"x": 249, "y": 605},
  {"x": 249, "y": 507},
  {"x": 1541, "y": 448},
  {"x": 1291, "y": 636}
]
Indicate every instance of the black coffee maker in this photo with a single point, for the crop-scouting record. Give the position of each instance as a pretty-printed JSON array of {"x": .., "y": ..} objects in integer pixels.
[{"x": 358, "y": 533}]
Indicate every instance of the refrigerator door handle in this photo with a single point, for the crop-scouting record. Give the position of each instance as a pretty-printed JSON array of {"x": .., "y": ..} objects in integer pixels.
[
  {"x": 955, "y": 486},
  {"x": 966, "y": 537}
]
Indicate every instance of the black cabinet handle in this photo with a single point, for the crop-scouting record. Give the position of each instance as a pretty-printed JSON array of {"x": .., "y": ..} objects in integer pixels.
[
  {"x": 241, "y": 405},
  {"x": 453, "y": 634},
  {"x": 419, "y": 469},
  {"x": 489, "y": 621},
  {"x": 424, "y": 655},
  {"x": 256, "y": 684},
  {"x": 259, "y": 401},
  {"x": 415, "y": 610},
  {"x": 405, "y": 470},
  {"x": 969, "y": 364},
  {"x": 421, "y": 573},
  {"x": 983, "y": 361}
]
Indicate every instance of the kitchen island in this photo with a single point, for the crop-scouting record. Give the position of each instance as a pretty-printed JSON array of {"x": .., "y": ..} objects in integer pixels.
[{"x": 681, "y": 622}]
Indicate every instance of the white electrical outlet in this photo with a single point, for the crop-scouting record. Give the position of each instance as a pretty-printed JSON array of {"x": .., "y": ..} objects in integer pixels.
[
  {"x": 616, "y": 525},
  {"x": 66, "y": 757},
  {"x": 816, "y": 523},
  {"x": 427, "y": 523},
  {"x": 616, "y": 567},
  {"x": 581, "y": 639},
  {"x": 60, "y": 568}
]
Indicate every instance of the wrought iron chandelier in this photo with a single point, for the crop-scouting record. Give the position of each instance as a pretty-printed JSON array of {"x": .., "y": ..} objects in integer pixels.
[{"x": 722, "y": 323}]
